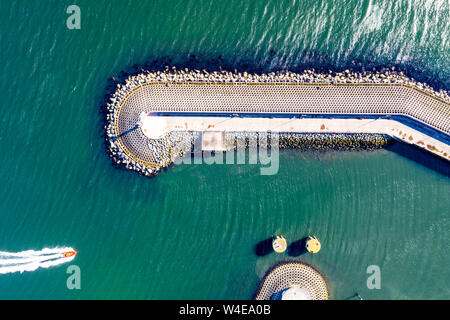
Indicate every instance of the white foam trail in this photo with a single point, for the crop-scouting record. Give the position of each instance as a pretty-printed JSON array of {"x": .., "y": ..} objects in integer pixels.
[{"x": 31, "y": 260}]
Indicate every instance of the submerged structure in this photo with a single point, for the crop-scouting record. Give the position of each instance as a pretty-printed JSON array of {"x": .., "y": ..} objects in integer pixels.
[
  {"x": 156, "y": 117},
  {"x": 292, "y": 281}
]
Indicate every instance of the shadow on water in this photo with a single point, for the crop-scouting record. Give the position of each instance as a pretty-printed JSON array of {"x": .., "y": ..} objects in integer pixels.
[
  {"x": 421, "y": 157},
  {"x": 297, "y": 248},
  {"x": 355, "y": 296},
  {"x": 264, "y": 247}
]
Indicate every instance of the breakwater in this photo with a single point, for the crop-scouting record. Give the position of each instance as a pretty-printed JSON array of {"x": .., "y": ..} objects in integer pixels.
[
  {"x": 235, "y": 141},
  {"x": 337, "y": 141},
  {"x": 183, "y": 104}
]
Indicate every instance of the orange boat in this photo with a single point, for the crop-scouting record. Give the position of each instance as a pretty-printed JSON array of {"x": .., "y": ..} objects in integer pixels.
[{"x": 69, "y": 254}]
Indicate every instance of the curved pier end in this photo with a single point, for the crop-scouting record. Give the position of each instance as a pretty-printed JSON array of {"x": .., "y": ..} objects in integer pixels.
[
  {"x": 153, "y": 126},
  {"x": 155, "y": 117},
  {"x": 292, "y": 280}
]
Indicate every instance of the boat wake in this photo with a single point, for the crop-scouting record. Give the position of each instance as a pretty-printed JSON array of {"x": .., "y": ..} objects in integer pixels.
[{"x": 31, "y": 260}]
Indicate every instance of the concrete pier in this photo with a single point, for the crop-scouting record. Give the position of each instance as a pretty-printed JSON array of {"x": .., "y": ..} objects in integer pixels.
[{"x": 388, "y": 104}]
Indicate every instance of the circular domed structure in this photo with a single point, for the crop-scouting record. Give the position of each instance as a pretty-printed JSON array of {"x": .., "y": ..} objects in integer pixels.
[
  {"x": 296, "y": 293},
  {"x": 293, "y": 281}
]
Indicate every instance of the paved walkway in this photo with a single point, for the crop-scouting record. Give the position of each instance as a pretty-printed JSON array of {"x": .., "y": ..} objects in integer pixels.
[{"x": 382, "y": 126}]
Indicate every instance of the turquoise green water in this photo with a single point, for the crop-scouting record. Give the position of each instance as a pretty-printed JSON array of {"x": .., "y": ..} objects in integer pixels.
[{"x": 191, "y": 232}]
